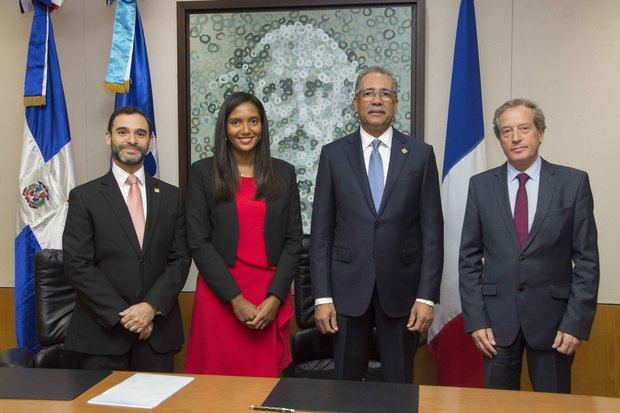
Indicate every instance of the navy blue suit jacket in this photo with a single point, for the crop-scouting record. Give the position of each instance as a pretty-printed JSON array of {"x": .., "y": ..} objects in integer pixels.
[{"x": 398, "y": 248}]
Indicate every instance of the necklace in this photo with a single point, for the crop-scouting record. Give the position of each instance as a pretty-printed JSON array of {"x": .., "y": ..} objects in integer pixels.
[{"x": 246, "y": 171}]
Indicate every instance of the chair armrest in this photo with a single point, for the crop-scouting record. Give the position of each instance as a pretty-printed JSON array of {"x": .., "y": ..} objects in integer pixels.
[{"x": 15, "y": 357}]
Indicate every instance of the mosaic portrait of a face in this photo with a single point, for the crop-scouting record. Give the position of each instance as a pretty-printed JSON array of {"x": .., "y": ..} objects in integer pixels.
[{"x": 302, "y": 65}]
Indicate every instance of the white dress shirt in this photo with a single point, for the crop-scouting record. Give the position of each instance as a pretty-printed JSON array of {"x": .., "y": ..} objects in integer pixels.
[
  {"x": 384, "y": 150},
  {"x": 531, "y": 187},
  {"x": 121, "y": 177}
]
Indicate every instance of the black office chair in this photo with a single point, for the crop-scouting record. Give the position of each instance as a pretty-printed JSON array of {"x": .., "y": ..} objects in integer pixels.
[
  {"x": 15, "y": 357},
  {"x": 313, "y": 352},
  {"x": 55, "y": 300}
]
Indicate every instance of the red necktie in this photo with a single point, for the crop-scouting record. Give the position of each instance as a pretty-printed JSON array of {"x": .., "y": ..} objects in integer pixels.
[
  {"x": 134, "y": 204},
  {"x": 520, "y": 215}
]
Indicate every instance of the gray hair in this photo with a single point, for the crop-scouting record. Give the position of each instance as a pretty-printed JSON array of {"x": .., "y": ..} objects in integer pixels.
[
  {"x": 537, "y": 112},
  {"x": 375, "y": 69}
]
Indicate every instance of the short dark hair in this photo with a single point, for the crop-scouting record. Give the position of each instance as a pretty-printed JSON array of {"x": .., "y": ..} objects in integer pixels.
[
  {"x": 129, "y": 110},
  {"x": 537, "y": 114},
  {"x": 375, "y": 69}
]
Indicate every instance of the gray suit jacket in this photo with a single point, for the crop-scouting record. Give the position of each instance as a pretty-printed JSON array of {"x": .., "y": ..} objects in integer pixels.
[{"x": 549, "y": 285}]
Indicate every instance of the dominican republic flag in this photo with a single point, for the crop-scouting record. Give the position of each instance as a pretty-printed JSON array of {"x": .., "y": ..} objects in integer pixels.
[
  {"x": 46, "y": 172},
  {"x": 26, "y": 6},
  {"x": 458, "y": 361},
  {"x": 138, "y": 91}
]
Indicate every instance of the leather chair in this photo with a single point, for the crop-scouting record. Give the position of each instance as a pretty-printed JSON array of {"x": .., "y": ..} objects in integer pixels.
[
  {"x": 15, "y": 357},
  {"x": 313, "y": 352},
  {"x": 55, "y": 300}
]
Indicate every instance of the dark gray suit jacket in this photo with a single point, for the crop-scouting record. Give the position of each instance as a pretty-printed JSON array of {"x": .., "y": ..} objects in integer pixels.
[
  {"x": 549, "y": 285},
  {"x": 110, "y": 272},
  {"x": 399, "y": 247}
]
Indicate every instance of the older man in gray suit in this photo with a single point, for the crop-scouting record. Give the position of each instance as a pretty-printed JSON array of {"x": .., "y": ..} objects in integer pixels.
[{"x": 529, "y": 266}]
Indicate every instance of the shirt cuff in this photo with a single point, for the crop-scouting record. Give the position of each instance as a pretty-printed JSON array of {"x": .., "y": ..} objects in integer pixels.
[
  {"x": 329, "y": 300},
  {"x": 427, "y": 302},
  {"x": 323, "y": 300}
]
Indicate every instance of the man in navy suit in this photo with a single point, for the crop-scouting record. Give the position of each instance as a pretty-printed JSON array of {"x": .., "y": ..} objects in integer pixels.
[
  {"x": 376, "y": 248},
  {"x": 529, "y": 267}
]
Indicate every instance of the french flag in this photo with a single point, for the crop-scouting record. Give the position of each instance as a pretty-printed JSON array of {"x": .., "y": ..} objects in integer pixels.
[
  {"x": 46, "y": 172},
  {"x": 458, "y": 361}
]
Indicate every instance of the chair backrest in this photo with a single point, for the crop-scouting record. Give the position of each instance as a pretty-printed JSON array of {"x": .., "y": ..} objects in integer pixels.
[
  {"x": 304, "y": 301},
  {"x": 55, "y": 298}
]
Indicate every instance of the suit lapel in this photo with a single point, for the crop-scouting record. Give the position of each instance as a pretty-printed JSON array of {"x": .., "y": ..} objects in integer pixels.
[
  {"x": 398, "y": 155},
  {"x": 112, "y": 194},
  {"x": 501, "y": 193},
  {"x": 546, "y": 188},
  {"x": 356, "y": 160},
  {"x": 153, "y": 200}
]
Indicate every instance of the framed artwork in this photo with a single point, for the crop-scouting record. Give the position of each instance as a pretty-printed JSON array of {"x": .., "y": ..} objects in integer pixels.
[{"x": 301, "y": 59}]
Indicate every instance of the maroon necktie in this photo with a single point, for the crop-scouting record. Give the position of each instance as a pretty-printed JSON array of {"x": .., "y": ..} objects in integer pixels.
[{"x": 520, "y": 215}]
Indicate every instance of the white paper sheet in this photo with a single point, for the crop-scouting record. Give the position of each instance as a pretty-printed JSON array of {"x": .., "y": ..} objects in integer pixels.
[{"x": 142, "y": 390}]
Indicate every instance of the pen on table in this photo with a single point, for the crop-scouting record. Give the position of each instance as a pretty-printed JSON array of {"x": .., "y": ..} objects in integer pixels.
[{"x": 271, "y": 409}]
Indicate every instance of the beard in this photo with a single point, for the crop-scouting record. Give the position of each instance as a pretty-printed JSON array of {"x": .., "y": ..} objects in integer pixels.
[{"x": 126, "y": 160}]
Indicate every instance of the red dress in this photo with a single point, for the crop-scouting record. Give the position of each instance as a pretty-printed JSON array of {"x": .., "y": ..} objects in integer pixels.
[{"x": 218, "y": 342}]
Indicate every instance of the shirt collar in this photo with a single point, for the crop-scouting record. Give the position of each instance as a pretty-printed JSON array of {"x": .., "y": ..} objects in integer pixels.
[
  {"x": 121, "y": 175},
  {"x": 533, "y": 171},
  {"x": 385, "y": 138}
]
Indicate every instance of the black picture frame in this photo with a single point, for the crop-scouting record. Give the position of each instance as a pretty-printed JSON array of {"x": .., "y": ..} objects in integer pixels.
[{"x": 186, "y": 8}]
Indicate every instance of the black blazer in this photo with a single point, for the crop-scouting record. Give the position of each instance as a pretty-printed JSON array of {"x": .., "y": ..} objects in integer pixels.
[
  {"x": 213, "y": 230},
  {"x": 110, "y": 272},
  {"x": 549, "y": 285},
  {"x": 398, "y": 248}
]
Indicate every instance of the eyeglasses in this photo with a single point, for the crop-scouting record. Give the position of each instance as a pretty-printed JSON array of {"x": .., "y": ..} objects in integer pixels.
[{"x": 385, "y": 95}]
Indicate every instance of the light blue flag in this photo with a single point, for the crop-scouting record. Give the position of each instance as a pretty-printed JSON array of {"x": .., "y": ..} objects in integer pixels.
[
  {"x": 140, "y": 93},
  {"x": 117, "y": 76}
]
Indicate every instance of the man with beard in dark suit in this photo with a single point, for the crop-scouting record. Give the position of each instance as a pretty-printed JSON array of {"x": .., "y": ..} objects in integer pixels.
[{"x": 125, "y": 254}]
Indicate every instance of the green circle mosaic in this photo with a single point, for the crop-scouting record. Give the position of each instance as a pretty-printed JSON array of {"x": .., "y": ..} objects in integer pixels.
[{"x": 303, "y": 66}]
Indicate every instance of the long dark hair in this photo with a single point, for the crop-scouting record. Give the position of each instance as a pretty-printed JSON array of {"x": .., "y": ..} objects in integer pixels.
[{"x": 225, "y": 173}]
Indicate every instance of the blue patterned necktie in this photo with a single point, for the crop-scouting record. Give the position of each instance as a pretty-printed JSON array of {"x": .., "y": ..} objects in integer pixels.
[{"x": 375, "y": 174}]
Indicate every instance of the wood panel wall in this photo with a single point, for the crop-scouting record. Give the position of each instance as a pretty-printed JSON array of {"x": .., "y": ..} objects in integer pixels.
[
  {"x": 7, "y": 318},
  {"x": 596, "y": 370}
]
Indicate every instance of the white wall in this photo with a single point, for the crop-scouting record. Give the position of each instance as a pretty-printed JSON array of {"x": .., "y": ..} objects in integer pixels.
[{"x": 564, "y": 54}]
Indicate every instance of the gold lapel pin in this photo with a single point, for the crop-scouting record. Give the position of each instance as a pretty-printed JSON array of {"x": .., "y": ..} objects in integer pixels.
[
  {"x": 404, "y": 150},
  {"x": 156, "y": 190}
]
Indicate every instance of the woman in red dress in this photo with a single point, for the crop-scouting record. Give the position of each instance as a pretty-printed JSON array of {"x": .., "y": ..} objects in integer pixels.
[{"x": 244, "y": 232}]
